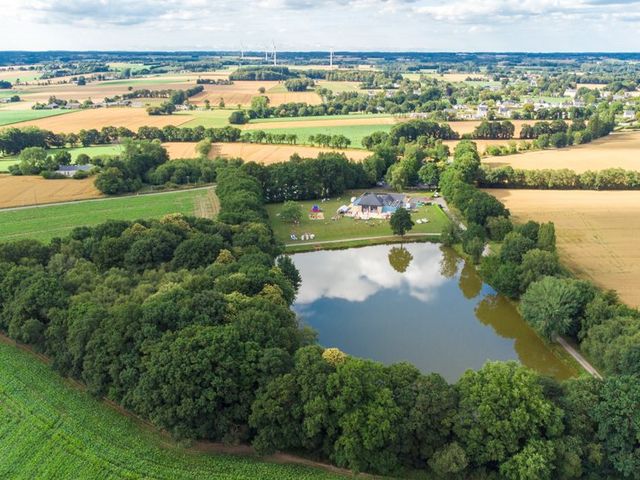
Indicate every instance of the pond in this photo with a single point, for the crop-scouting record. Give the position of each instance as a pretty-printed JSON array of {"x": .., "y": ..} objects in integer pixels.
[{"x": 419, "y": 303}]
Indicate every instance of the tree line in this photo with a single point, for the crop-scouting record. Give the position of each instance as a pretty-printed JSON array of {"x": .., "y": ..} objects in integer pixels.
[{"x": 560, "y": 179}]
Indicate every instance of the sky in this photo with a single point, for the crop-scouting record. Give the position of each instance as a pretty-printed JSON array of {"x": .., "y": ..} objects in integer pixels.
[{"x": 303, "y": 25}]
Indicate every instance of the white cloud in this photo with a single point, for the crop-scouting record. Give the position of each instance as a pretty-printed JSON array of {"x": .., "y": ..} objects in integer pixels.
[
  {"x": 437, "y": 25},
  {"x": 355, "y": 275}
]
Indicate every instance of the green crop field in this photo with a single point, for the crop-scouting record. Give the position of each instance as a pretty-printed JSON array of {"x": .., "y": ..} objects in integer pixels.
[
  {"x": 51, "y": 428},
  {"x": 355, "y": 133},
  {"x": 8, "y": 117},
  {"x": 344, "y": 228},
  {"x": 206, "y": 118},
  {"x": 340, "y": 87},
  {"x": 8, "y": 93},
  {"x": 44, "y": 223},
  {"x": 320, "y": 118}
]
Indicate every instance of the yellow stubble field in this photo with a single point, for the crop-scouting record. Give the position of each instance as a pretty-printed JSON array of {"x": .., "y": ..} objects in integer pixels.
[
  {"x": 33, "y": 190},
  {"x": 597, "y": 232},
  {"x": 131, "y": 118},
  {"x": 617, "y": 150},
  {"x": 255, "y": 152}
]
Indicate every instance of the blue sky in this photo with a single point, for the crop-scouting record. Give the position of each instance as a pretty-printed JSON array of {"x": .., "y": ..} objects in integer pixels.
[{"x": 420, "y": 25}]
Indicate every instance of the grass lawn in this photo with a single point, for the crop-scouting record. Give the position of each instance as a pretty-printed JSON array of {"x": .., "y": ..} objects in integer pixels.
[
  {"x": 8, "y": 117},
  {"x": 52, "y": 428},
  {"x": 44, "y": 223},
  {"x": 207, "y": 118},
  {"x": 346, "y": 228},
  {"x": 355, "y": 133},
  {"x": 5, "y": 164}
]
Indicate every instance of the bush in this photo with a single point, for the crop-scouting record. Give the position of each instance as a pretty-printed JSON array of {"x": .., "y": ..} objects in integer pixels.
[{"x": 238, "y": 118}]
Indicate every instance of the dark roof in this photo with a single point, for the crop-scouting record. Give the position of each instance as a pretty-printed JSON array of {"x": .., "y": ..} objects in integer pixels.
[{"x": 369, "y": 199}]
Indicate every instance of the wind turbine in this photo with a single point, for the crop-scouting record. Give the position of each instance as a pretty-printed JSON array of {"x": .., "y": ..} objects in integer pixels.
[
  {"x": 275, "y": 62},
  {"x": 331, "y": 58}
]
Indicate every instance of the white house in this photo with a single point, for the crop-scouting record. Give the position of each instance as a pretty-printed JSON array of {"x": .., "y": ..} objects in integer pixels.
[
  {"x": 482, "y": 111},
  {"x": 570, "y": 92},
  {"x": 70, "y": 170},
  {"x": 628, "y": 114}
]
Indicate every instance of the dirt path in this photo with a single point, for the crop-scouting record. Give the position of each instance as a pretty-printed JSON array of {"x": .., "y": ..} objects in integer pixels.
[{"x": 579, "y": 358}]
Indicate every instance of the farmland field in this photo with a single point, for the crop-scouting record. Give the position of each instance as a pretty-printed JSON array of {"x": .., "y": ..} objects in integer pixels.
[
  {"x": 97, "y": 91},
  {"x": 597, "y": 232},
  {"x": 619, "y": 150},
  {"x": 131, "y": 118},
  {"x": 33, "y": 190},
  {"x": 322, "y": 122},
  {"x": 10, "y": 116},
  {"x": 256, "y": 152},
  {"x": 241, "y": 92},
  {"x": 50, "y": 221},
  {"x": 208, "y": 118},
  {"x": 51, "y": 428}
]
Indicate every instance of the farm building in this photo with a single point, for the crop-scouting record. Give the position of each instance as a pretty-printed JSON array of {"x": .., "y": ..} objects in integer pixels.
[
  {"x": 70, "y": 170},
  {"x": 377, "y": 205}
]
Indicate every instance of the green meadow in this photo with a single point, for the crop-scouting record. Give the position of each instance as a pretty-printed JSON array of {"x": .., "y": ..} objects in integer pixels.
[
  {"x": 46, "y": 222},
  {"x": 355, "y": 133},
  {"x": 8, "y": 117}
]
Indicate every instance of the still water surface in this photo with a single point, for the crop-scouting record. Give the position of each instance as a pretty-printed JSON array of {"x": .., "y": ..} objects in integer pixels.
[{"x": 420, "y": 303}]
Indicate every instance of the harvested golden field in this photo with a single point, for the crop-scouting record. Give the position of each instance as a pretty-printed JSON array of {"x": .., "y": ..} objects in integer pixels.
[
  {"x": 320, "y": 122},
  {"x": 597, "y": 232},
  {"x": 32, "y": 190},
  {"x": 131, "y": 118},
  {"x": 620, "y": 150},
  {"x": 241, "y": 93},
  {"x": 259, "y": 153},
  {"x": 97, "y": 91}
]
